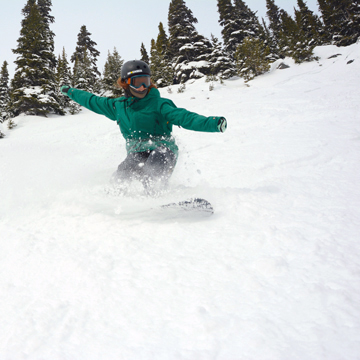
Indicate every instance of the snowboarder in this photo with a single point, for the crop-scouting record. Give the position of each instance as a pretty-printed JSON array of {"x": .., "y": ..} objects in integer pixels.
[{"x": 145, "y": 120}]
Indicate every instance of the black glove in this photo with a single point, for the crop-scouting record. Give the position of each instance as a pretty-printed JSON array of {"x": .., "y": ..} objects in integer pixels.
[
  {"x": 222, "y": 124},
  {"x": 64, "y": 89}
]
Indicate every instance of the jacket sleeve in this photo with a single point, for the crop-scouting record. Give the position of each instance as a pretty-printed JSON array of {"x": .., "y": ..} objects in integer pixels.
[
  {"x": 100, "y": 105},
  {"x": 189, "y": 120}
]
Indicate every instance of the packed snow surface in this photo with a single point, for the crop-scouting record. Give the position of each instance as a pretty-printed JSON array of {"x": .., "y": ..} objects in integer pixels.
[{"x": 87, "y": 273}]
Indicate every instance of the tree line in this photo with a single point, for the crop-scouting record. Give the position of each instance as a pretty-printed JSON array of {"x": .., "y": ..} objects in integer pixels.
[{"x": 247, "y": 48}]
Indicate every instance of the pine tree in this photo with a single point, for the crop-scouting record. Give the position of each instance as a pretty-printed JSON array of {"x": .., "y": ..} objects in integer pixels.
[
  {"x": 288, "y": 37},
  {"x": 342, "y": 20},
  {"x": 86, "y": 48},
  {"x": 221, "y": 64},
  {"x": 267, "y": 39},
  {"x": 274, "y": 16},
  {"x": 161, "y": 71},
  {"x": 309, "y": 24},
  {"x": 247, "y": 22},
  {"x": 187, "y": 47},
  {"x": 63, "y": 77},
  {"x": 81, "y": 79},
  {"x": 82, "y": 73},
  {"x": 34, "y": 86},
  {"x": 111, "y": 74},
  {"x": 239, "y": 22},
  {"x": 144, "y": 54},
  {"x": 249, "y": 32},
  {"x": 252, "y": 58},
  {"x": 162, "y": 41},
  {"x": 155, "y": 62},
  {"x": 307, "y": 33},
  {"x": 4, "y": 93},
  {"x": 227, "y": 22}
]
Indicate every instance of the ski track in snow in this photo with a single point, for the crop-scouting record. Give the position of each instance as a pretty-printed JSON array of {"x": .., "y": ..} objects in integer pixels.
[{"x": 89, "y": 274}]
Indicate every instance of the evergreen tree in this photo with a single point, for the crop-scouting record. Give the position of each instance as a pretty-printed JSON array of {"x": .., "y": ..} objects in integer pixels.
[
  {"x": 292, "y": 38},
  {"x": 252, "y": 58},
  {"x": 247, "y": 22},
  {"x": 228, "y": 24},
  {"x": 249, "y": 32},
  {"x": 4, "y": 93},
  {"x": 274, "y": 16},
  {"x": 288, "y": 37},
  {"x": 221, "y": 64},
  {"x": 162, "y": 41},
  {"x": 155, "y": 62},
  {"x": 309, "y": 24},
  {"x": 111, "y": 74},
  {"x": 307, "y": 35},
  {"x": 161, "y": 71},
  {"x": 267, "y": 39},
  {"x": 181, "y": 26},
  {"x": 63, "y": 77},
  {"x": 144, "y": 54},
  {"x": 239, "y": 22},
  {"x": 342, "y": 20},
  {"x": 187, "y": 47},
  {"x": 85, "y": 48},
  {"x": 34, "y": 86},
  {"x": 81, "y": 79},
  {"x": 82, "y": 73}
]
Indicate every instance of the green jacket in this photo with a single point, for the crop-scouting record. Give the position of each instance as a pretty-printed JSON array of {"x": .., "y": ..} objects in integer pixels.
[{"x": 145, "y": 123}]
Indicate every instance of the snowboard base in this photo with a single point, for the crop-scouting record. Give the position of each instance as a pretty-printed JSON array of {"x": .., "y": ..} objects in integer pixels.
[{"x": 191, "y": 205}]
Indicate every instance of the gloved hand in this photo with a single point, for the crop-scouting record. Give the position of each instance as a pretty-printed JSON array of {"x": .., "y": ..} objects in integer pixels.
[
  {"x": 64, "y": 89},
  {"x": 222, "y": 124}
]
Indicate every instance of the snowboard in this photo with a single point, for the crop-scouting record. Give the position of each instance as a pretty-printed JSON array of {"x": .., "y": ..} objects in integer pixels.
[{"x": 191, "y": 206}]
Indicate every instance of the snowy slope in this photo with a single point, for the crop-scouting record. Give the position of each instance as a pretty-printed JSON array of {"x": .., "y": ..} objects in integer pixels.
[{"x": 87, "y": 274}]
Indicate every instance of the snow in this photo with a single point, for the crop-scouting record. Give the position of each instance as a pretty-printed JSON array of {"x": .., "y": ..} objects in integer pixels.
[
  {"x": 193, "y": 65},
  {"x": 88, "y": 274}
]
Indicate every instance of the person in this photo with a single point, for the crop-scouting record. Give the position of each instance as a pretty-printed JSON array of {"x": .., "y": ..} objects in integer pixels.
[{"x": 145, "y": 120}]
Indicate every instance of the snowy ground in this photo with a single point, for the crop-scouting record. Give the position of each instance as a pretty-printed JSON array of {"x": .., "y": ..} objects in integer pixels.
[{"x": 274, "y": 274}]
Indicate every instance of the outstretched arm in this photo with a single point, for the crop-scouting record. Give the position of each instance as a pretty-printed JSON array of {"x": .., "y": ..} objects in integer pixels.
[
  {"x": 192, "y": 121},
  {"x": 100, "y": 105}
]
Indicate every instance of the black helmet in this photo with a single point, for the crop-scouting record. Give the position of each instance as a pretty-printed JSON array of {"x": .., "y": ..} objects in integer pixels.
[{"x": 134, "y": 67}]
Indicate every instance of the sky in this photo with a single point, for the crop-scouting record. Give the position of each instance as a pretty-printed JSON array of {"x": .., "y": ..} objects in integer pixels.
[{"x": 123, "y": 24}]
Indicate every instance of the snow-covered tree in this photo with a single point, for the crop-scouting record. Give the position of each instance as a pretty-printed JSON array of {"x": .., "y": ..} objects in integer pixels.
[
  {"x": 82, "y": 79},
  {"x": 33, "y": 88},
  {"x": 82, "y": 73},
  {"x": 273, "y": 14},
  {"x": 221, "y": 64},
  {"x": 309, "y": 24},
  {"x": 161, "y": 70},
  {"x": 294, "y": 38},
  {"x": 187, "y": 48},
  {"x": 252, "y": 58},
  {"x": 289, "y": 34},
  {"x": 112, "y": 70},
  {"x": 239, "y": 22},
  {"x": 4, "y": 93},
  {"x": 247, "y": 22},
  {"x": 144, "y": 54},
  {"x": 342, "y": 20},
  {"x": 63, "y": 77},
  {"x": 85, "y": 52},
  {"x": 228, "y": 24},
  {"x": 267, "y": 38}
]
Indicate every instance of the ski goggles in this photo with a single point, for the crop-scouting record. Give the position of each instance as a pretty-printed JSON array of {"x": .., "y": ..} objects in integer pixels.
[{"x": 139, "y": 80}]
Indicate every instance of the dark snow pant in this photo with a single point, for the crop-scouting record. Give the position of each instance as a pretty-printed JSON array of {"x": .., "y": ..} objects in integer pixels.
[{"x": 147, "y": 166}]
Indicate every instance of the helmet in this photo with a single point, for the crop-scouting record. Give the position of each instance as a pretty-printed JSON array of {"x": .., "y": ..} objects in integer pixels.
[{"x": 134, "y": 67}]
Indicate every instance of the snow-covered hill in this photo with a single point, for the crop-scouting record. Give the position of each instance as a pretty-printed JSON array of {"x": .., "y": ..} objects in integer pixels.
[{"x": 274, "y": 274}]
